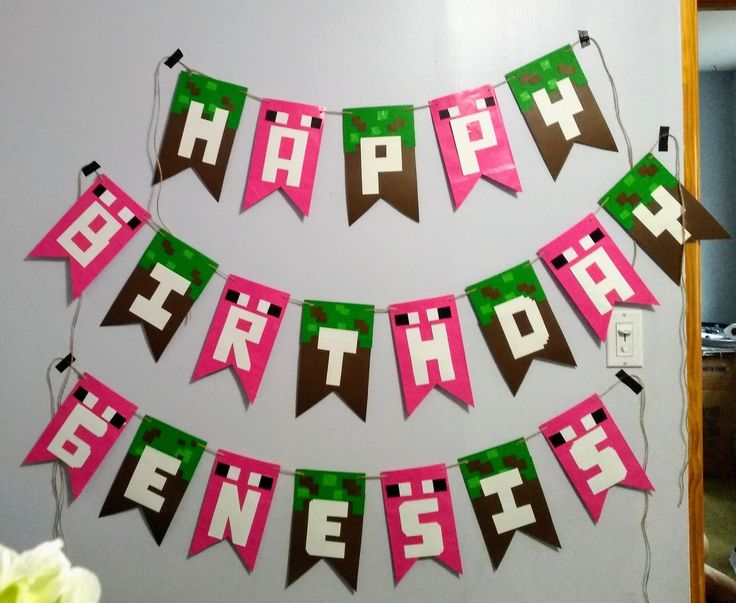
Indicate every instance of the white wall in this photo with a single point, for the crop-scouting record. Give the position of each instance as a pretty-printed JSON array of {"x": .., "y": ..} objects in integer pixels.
[{"x": 78, "y": 82}]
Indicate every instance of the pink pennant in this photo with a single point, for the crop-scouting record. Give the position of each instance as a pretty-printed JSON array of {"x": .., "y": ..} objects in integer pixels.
[
  {"x": 594, "y": 272},
  {"x": 243, "y": 330},
  {"x": 235, "y": 506},
  {"x": 473, "y": 141},
  {"x": 593, "y": 453},
  {"x": 285, "y": 152},
  {"x": 420, "y": 519},
  {"x": 429, "y": 350},
  {"x": 93, "y": 231},
  {"x": 83, "y": 431}
]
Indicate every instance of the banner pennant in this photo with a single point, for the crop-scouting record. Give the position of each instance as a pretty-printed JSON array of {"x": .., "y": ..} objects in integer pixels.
[
  {"x": 161, "y": 290},
  {"x": 94, "y": 230},
  {"x": 558, "y": 106},
  {"x": 507, "y": 497},
  {"x": 593, "y": 453},
  {"x": 473, "y": 141},
  {"x": 83, "y": 431},
  {"x": 379, "y": 159},
  {"x": 429, "y": 350},
  {"x": 236, "y": 505},
  {"x": 676, "y": 219},
  {"x": 335, "y": 354},
  {"x": 420, "y": 518},
  {"x": 594, "y": 273},
  {"x": 327, "y": 523},
  {"x": 517, "y": 323},
  {"x": 203, "y": 119},
  {"x": 243, "y": 330},
  {"x": 285, "y": 152},
  {"x": 155, "y": 474}
]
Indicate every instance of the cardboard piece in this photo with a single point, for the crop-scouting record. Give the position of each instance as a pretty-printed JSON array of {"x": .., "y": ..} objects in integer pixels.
[
  {"x": 334, "y": 354},
  {"x": 429, "y": 350},
  {"x": 473, "y": 141},
  {"x": 161, "y": 290},
  {"x": 593, "y": 453},
  {"x": 558, "y": 106},
  {"x": 660, "y": 214},
  {"x": 243, "y": 330},
  {"x": 92, "y": 232},
  {"x": 285, "y": 152},
  {"x": 203, "y": 119},
  {"x": 84, "y": 429},
  {"x": 379, "y": 159},
  {"x": 594, "y": 273},
  {"x": 517, "y": 323},
  {"x": 155, "y": 474}
]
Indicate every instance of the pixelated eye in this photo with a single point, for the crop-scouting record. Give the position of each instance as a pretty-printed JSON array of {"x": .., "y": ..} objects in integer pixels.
[
  {"x": 104, "y": 195},
  {"x": 413, "y": 318},
  {"x": 429, "y": 486},
  {"x": 278, "y": 117},
  {"x": 591, "y": 420},
  {"x": 87, "y": 398},
  {"x": 266, "y": 307},
  {"x": 566, "y": 256},
  {"x": 128, "y": 217},
  {"x": 434, "y": 314},
  {"x": 80, "y": 393},
  {"x": 307, "y": 121},
  {"x": 559, "y": 438},
  {"x": 401, "y": 320},
  {"x": 114, "y": 418},
  {"x": 483, "y": 103},
  {"x": 260, "y": 481},
  {"x": 400, "y": 489},
  {"x": 449, "y": 112},
  {"x": 236, "y": 297},
  {"x": 589, "y": 240},
  {"x": 230, "y": 472}
]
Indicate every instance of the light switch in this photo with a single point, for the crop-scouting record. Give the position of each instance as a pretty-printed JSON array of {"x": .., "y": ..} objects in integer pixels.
[{"x": 624, "y": 341}]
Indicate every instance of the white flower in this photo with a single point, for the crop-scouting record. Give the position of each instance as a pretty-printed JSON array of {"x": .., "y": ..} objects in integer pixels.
[{"x": 44, "y": 575}]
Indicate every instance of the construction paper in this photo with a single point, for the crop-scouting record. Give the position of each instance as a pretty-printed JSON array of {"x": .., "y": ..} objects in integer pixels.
[
  {"x": 507, "y": 497},
  {"x": 517, "y": 323},
  {"x": 335, "y": 354},
  {"x": 558, "y": 106},
  {"x": 379, "y": 159},
  {"x": 236, "y": 505},
  {"x": 429, "y": 350},
  {"x": 203, "y": 119},
  {"x": 593, "y": 453},
  {"x": 472, "y": 140},
  {"x": 161, "y": 290},
  {"x": 155, "y": 474},
  {"x": 420, "y": 519},
  {"x": 83, "y": 430},
  {"x": 285, "y": 152},
  {"x": 647, "y": 204},
  {"x": 594, "y": 273},
  {"x": 327, "y": 523},
  {"x": 243, "y": 330},
  {"x": 93, "y": 231}
]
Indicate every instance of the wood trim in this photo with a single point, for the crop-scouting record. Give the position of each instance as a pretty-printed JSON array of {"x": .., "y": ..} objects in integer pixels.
[
  {"x": 716, "y": 4},
  {"x": 694, "y": 364}
]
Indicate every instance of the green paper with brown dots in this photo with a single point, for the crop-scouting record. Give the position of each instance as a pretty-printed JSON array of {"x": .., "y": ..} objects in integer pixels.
[
  {"x": 161, "y": 290},
  {"x": 155, "y": 474},
  {"x": 558, "y": 107},
  {"x": 334, "y": 354},
  {"x": 517, "y": 323},
  {"x": 327, "y": 523}
]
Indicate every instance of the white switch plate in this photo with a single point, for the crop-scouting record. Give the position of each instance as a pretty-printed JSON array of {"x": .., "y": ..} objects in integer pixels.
[{"x": 625, "y": 339}]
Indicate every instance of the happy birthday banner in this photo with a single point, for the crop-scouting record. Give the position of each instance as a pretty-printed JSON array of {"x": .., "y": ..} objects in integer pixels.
[{"x": 328, "y": 506}]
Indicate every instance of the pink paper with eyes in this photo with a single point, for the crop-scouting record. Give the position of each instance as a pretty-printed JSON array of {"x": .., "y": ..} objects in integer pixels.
[
  {"x": 593, "y": 453},
  {"x": 243, "y": 330},
  {"x": 236, "y": 505},
  {"x": 594, "y": 273},
  {"x": 285, "y": 152},
  {"x": 429, "y": 350},
  {"x": 473, "y": 141},
  {"x": 93, "y": 231},
  {"x": 420, "y": 518},
  {"x": 83, "y": 430}
]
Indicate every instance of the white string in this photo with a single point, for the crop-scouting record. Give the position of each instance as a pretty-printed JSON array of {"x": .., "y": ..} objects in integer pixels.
[{"x": 153, "y": 158}]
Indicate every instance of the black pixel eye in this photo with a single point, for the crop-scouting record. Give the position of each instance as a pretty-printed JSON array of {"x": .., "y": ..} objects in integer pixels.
[
  {"x": 559, "y": 261},
  {"x": 430, "y": 486},
  {"x": 401, "y": 320},
  {"x": 307, "y": 121}
]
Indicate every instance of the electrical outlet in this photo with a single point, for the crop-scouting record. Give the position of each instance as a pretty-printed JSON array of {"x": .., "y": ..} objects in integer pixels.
[{"x": 625, "y": 339}]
